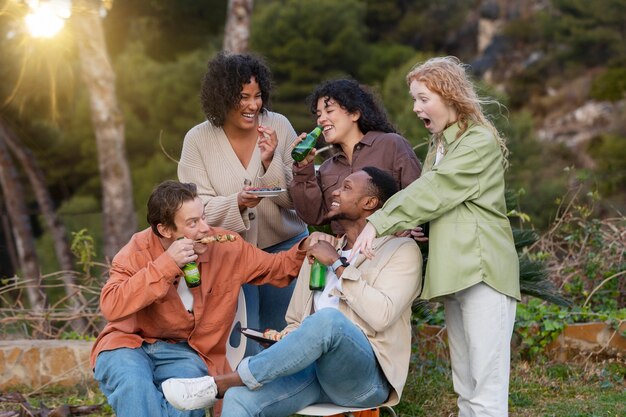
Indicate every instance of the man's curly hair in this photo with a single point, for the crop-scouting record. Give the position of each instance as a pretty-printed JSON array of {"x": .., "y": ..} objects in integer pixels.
[
  {"x": 353, "y": 97},
  {"x": 224, "y": 80}
]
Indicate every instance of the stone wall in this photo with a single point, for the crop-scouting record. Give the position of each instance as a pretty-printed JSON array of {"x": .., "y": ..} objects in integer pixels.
[{"x": 35, "y": 363}]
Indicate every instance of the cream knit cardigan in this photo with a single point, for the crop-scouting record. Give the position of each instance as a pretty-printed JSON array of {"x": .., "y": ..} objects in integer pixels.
[{"x": 208, "y": 160}]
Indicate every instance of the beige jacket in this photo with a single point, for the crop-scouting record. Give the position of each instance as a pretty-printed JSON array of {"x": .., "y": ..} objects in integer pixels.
[
  {"x": 376, "y": 296},
  {"x": 209, "y": 161}
]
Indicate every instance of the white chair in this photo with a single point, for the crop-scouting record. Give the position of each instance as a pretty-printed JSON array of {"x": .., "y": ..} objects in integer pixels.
[
  {"x": 234, "y": 351},
  {"x": 326, "y": 409}
]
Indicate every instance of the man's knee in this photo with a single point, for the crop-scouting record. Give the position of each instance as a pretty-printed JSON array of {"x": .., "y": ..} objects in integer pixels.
[{"x": 328, "y": 318}]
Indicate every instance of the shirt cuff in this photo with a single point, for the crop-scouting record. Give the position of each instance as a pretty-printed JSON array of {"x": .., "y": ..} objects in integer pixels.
[
  {"x": 380, "y": 224},
  {"x": 350, "y": 273},
  {"x": 303, "y": 174}
]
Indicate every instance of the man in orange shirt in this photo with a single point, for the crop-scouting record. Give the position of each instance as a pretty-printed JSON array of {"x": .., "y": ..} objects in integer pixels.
[{"x": 158, "y": 328}]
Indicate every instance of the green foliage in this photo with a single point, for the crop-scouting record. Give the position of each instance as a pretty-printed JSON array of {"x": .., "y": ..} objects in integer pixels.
[
  {"x": 535, "y": 167},
  {"x": 435, "y": 26},
  {"x": 379, "y": 58},
  {"x": 538, "y": 324},
  {"x": 609, "y": 152},
  {"x": 534, "y": 280},
  {"x": 167, "y": 28},
  {"x": 566, "y": 39},
  {"x": 306, "y": 42},
  {"x": 72, "y": 335},
  {"x": 585, "y": 252},
  {"x": 83, "y": 248},
  {"x": 395, "y": 95},
  {"x": 160, "y": 102},
  {"x": 592, "y": 35},
  {"x": 610, "y": 85}
]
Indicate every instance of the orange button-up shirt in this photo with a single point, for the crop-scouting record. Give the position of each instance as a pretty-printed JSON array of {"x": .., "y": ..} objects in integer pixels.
[{"x": 141, "y": 302}]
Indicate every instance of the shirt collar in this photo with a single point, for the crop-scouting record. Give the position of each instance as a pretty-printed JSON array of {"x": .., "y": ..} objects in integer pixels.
[
  {"x": 450, "y": 133},
  {"x": 367, "y": 140}
]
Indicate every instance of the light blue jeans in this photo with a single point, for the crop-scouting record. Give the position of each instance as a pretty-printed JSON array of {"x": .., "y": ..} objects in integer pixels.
[
  {"x": 266, "y": 305},
  {"x": 327, "y": 359},
  {"x": 131, "y": 378}
]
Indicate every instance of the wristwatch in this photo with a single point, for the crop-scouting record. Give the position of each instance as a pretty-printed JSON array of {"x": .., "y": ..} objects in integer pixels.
[{"x": 342, "y": 261}]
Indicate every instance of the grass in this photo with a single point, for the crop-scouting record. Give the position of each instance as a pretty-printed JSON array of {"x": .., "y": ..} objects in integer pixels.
[{"x": 539, "y": 388}]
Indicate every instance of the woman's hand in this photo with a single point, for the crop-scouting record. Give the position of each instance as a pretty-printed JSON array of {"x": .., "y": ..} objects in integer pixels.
[
  {"x": 267, "y": 144},
  {"x": 363, "y": 243},
  {"x": 245, "y": 199},
  {"x": 416, "y": 233},
  {"x": 310, "y": 156}
]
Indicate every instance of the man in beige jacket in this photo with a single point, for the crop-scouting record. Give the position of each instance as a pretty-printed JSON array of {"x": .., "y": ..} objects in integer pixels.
[{"x": 349, "y": 344}]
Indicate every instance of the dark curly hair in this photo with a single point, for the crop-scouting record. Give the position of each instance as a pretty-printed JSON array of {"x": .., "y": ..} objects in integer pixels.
[
  {"x": 223, "y": 81},
  {"x": 353, "y": 97}
]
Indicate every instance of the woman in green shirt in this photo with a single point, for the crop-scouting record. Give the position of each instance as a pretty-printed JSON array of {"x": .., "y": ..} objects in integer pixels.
[{"x": 472, "y": 266}]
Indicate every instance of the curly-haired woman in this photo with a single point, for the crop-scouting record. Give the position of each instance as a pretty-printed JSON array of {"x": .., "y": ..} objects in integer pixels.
[
  {"x": 243, "y": 144},
  {"x": 356, "y": 125}
]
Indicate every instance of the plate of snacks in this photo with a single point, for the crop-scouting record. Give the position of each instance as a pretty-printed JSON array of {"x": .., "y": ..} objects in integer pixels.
[
  {"x": 266, "y": 191},
  {"x": 269, "y": 336}
]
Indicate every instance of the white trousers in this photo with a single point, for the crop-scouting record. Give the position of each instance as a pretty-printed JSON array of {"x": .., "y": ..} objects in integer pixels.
[{"x": 479, "y": 321}]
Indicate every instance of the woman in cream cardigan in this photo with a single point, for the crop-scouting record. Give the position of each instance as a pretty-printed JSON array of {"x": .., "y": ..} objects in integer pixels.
[{"x": 241, "y": 145}]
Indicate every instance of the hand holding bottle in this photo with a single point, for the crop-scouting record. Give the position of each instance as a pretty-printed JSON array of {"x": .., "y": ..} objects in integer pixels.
[
  {"x": 181, "y": 250},
  {"x": 323, "y": 251},
  {"x": 303, "y": 151}
]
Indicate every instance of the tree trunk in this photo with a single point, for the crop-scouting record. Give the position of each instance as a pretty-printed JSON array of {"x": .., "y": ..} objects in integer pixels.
[
  {"x": 237, "y": 30},
  {"x": 22, "y": 230},
  {"x": 56, "y": 227},
  {"x": 119, "y": 222}
]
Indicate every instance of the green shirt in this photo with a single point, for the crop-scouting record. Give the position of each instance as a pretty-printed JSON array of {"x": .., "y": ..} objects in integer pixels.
[{"x": 470, "y": 239}]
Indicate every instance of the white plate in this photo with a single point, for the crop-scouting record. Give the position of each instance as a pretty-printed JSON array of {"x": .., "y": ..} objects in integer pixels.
[{"x": 267, "y": 193}]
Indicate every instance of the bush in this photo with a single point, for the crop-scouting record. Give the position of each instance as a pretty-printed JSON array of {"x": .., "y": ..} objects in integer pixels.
[{"x": 610, "y": 85}]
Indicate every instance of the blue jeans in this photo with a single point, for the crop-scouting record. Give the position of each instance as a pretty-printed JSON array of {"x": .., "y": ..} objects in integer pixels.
[
  {"x": 266, "y": 305},
  {"x": 131, "y": 378},
  {"x": 326, "y": 359}
]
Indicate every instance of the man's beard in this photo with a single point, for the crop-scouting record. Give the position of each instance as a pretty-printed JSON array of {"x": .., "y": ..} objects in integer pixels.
[{"x": 341, "y": 216}]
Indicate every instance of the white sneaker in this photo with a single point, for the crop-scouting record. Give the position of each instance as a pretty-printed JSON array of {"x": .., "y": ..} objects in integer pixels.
[{"x": 190, "y": 393}]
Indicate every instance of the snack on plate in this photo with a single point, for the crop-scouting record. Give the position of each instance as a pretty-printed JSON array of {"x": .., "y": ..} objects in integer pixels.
[
  {"x": 254, "y": 189},
  {"x": 218, "y": 238},
  {"x": 274, "y": 334}
]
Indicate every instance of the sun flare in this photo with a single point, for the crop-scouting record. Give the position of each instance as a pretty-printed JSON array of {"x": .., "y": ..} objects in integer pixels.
[{"x": 46, "y": 18}]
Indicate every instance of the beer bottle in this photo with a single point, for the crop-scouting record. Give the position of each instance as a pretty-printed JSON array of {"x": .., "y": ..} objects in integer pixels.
[
  {"x": 317, "y": 280},
  {"x": 302, "y": 149},
  {"x": 192, "y": 273}
]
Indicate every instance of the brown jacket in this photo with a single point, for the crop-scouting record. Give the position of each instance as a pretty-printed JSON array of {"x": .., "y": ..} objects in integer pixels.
[
  {"x": 141, "y": 302},
  {"x": 311, "y": 192}
]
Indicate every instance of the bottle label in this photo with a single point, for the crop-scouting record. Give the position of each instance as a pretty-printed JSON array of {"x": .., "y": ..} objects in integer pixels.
[{"x": 192, "y": 275}]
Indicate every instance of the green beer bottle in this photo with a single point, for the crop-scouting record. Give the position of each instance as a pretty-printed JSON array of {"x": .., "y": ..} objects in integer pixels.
[
  {"x": 303, "y": 148},
  {"x": 317, "y": 280},
  {"x": 192, "y": 274}
]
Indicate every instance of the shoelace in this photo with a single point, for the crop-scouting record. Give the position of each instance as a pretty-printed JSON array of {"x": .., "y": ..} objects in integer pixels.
[{"x": 192, "y": 390}]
